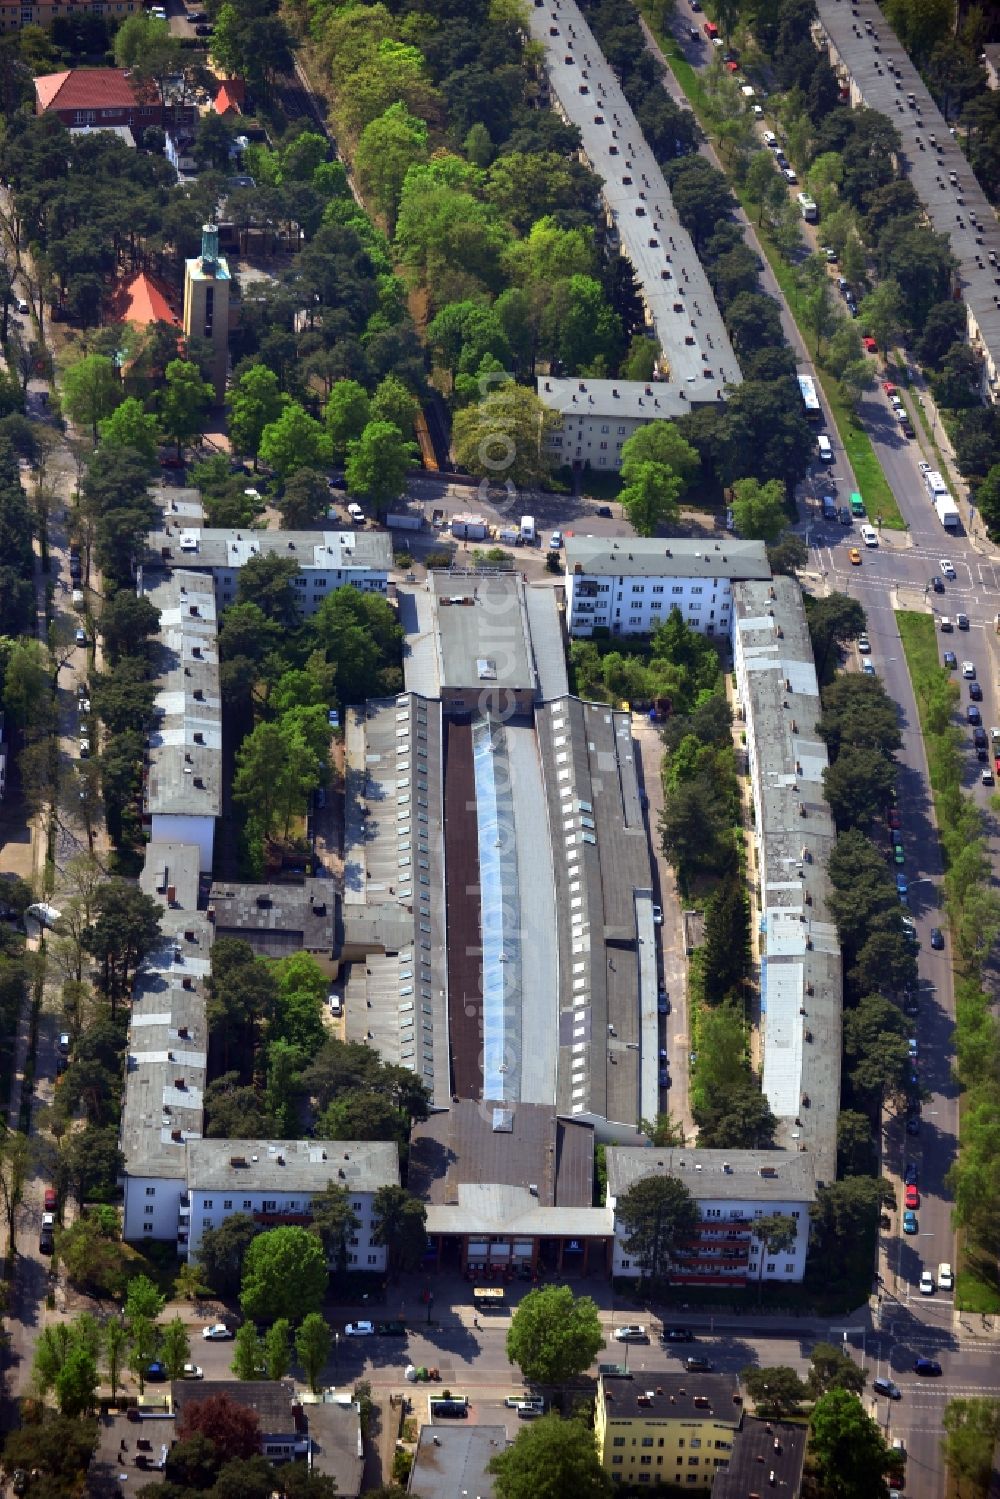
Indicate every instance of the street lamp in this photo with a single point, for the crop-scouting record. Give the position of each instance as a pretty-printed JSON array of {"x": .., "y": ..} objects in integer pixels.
[{"x": 336, "y": 1351}]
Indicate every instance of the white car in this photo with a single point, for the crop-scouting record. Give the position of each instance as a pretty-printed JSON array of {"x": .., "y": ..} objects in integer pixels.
[
  {"x": 969, "y": 670},
  {"x": 864, "y": 645},
  {"x": 948, "y": 568},
  {"x": 924, "y": 468},
  {"x": 788, "y": 174},
  {"x": 192, "y": 1371},
  {"x": 359, "y": 1329},
  {"x": 657, "y": 915},
  {"x": 555, "y": 541},
  {"x": 927, "y": 1284},
  {"x": 217, "y": 1332},
  {"x": 632, "y": 1332},
  {"x": 946, "y": 1280}
]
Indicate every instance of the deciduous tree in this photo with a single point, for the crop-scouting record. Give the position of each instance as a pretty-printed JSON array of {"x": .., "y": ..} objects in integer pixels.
[
  {"x": 551, "y": 1459},
  {"x": 312, "y": 1347},
  {"x": 284, "y": 1275},
  {"x": 554, "y": 1335}
]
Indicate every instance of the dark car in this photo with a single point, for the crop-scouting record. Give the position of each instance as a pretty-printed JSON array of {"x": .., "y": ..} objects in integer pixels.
[
  {"x": 156, "y": 1373},
  {"x": 698, "y": 1365},
  {"x": 926, "y": 1366},
  {"x": 950, "y": 660},
  {"x": 937, "y": 939},
  {"x": 605, "y": 512},
  {"x": 973, "y": 714},
  {"x": 937, "y": 584},
  {"x": 979, "y": 738},
  {"x": 975, "y": 692},
  {"x": 203, "y": 31},
  {"x": 390, "y": 1329},
  {"x": 913, "y": 1125},
  {"x": 883, "y": 1386},
  {"x": 678, "y": 1335},
  {"x": 844, "y": 515},
  {"x": 911, "y": 1174}
]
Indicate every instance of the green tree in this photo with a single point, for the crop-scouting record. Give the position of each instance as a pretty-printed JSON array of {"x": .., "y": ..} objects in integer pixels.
[
  {"x": 143, "y": 1300},
  {"x": 91, "y": 390},
  {"x": 504, "y": 436},
  {"x": 278, "y": 1348},
  {"x": 312, "y": 1347},
  {"x": 175, "y": 1348},
  {"x": 305, "y": 499},
  {"x": 335, "y": 1221},
  {"x": 223, "y": 1250},
  {"x": 882, "y": 314},
  {"x": 857, "y": 786},
  {"x": 144, "y": 1342},
  {"x": 551, "y": 1459},
  {"x": 294, "y": 440},
  {"x": 185, "y": 401},
  {"x": 776, "y": 1391},
  {"x": 661, "y": 442},
  {"x": 833, "y": 620},
  {"x": 395, "y": 402},
  {"x": 377, "y": 462},
  {"x": 855, "y": 1147},
  {"x": 126, "y": 927},
  {"x": 650, "y": 498},
  {"x": 190, "y": 1283},
  {"x": 131, "y": 426},
  {"x": 851, "y": 1457},
  {"x": 776, "y": 1233},
  {"x": 284, "y": 1275},
  {"x": 248, "y": 1353},
  {"x": 830, "y": 1368},
  {"x": 347, "y": 414},
  {"x": 115, "y": 1351},
  {"x": 399, "y": 1225},
  {"x": 56, "y": 1451},
  {"x": 554, "y": 1335},
  {"x": 726, "y": 949},
  {"x": 759, "y": 510},
  {"x": 388, "y": 147},
  {"x": 255, "y": 401},
  {"x": 655, "y": 1213}
]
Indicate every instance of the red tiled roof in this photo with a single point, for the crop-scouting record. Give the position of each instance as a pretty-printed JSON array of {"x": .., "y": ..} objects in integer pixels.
[
  {"x": 86, "y": 88},
  {"x": 143, "y": 300},
  {"x": 225, "y": 101}
]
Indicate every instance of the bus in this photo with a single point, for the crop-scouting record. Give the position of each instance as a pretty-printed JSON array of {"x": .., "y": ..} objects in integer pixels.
[
  {"x": 810, "y": 400},
  {"x": 488, "y": 1298}
]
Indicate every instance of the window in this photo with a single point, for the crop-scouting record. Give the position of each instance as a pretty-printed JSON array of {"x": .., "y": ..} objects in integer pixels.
[
  {"x": 208, "y": 1223},
  {"x": 269, "y": 1205},
  {"x": 677, "y": 588},
  {"x": 693, "y": 1462},
  {"x": 789, "y": 1269},
  {"x": 618, "y": 1459},
  {"x": 621, "y": 431},
  {"x": 648, "y": 1442},
  {"x": 604, "y": 447},
  {"x": 147, "y": 1228},
  {"x": 657, "y": 587},
  {"x": 618, "y": 1441},
  {"x": 227, "y": 1204},
  {"x": 646, "y": 1462},
  {"x": 697, "y": 590},
  {"x": 795, "y": 1216},
  {"x": 770, "y": 1268},
  {"x": 626, "y": 1264},
  {"x": 247, "y": 1204},
  {"x": 150, "y": 1191},
  {"x": 373, "y": 1259},
  {"x": 695, "y": 1442},
  {"x": 149, "y": 1212},
  {"x": 207, "y": 1203},
  {"x": 605, "y": 428},
  {"x": 356, "y": 1206}
]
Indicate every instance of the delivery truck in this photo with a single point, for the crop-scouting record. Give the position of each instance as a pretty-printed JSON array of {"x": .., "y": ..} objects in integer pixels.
[
  {"x": 948, "y": 512},
  {"x": 528, "y": 533}
]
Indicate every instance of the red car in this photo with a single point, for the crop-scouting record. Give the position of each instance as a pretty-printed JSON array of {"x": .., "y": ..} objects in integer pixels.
[
  {"x": 871, "y": 347},
  {"x": 732, "y": 67},
  {"x": 888, "y": 387},
  {"x": 996, "y": 761},
  {"x": 50, "y": 1199},
  {"x": 894, "y": 819},
  {"x": 911, "y": 1197}
]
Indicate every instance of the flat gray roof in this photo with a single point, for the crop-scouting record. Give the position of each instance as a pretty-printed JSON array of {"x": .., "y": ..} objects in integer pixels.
[
  {"x": 547, "y": 641},
  {"x": 277, "y": 919},
  {"x": 394, "y": 897},
  {"x": 750, "y": 1175},
  {"x": 171, "y": 874},
  {"x": 884, "y": 80},
  {"x": 631, "y": 400},
  {"x": 673, "y": 1397},
  {"x": 777, "y": 1447},
  {"x": 485, "y": 1208},
  {"x": 325, "y": 551},
  {"x": 185, "y": 743},
  {"x": 452, "y": 1459},
  {"x": 481, "y": 631},
  {"x": 669, "y": 557},
  {"x": 678, "y": 298},
  {"x": 801, "y": 975},
  {"x": 292, "y": 1165},
  {"x": 511, "y": 1144}
]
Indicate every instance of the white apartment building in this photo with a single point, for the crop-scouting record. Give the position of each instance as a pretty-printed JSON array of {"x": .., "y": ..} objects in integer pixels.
[
  {"x": 274, "y": 1181},
  {"x": 597, "y": 417},
  {"x": 326, "y": 560},
  {"x": 732, "y": 1189},
  {"x": 628, "y": 585}
]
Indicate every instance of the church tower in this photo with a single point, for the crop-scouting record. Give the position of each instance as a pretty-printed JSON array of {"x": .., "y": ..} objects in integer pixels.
[{"x": 206, "y": 304}]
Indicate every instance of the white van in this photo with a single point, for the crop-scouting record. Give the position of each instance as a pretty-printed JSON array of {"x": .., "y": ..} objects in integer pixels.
[
  {"x": 869, "y": 536},
  {"x": 356, "y": 513},
  {"x": 825, "y": 448}
]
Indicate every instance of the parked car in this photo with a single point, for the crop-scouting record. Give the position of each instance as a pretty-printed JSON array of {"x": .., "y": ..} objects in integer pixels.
[
  {"x": 359, "y": 1329},
  {"x": 605, "y": 512},
  {"x": 911, "y": 1197},
  {"x": 909, "y": 1222},
  {"x": 657, "y": 915},
  {"x": 975, "y": 692},
  {"x": 945, "y": 1278},
  {"x": 973, "y": 714},
  {"x": 698, "y": 1365},
  {"x": 156, "y": 1373},
  {"x": 969, "y": 670},
  {"x": 898, "y": 853},
  {"x": 216, "y": 1332},
  {"x": 911, "y": 1174},
  {"x": 926, "y": 1365},
  {"x": 678, "y": 1335},
  {"x": 50, "y": 1199},
  {"x": 926, "y": 1283},
  {"x": 864, "y": 644},
  {"x": 192, "y": 1371},
  {"x": 80, "y": 635},
  {"x": 391, "y": 1329},
  {"x": 950, "y": 660},
  {"x": 631, "y": 1332},
  {"x": 937, "y": 939}
]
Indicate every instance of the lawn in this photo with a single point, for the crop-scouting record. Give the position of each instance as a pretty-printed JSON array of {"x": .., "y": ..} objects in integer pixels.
[
  {"x": 880, "y": 502},
  {"x": 920, "y": 644}
]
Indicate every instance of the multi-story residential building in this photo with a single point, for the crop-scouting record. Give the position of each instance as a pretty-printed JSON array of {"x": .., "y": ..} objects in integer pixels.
[
  {"x": 877, "y": 72},
  {"x": 677, "y": 1429},
  {"x": 628, "y": 585},
  {"x": 182, "y": 792},
  {"x": 801, "y": 980},
  {"x": 697, "y": 357},
  {"x": 102, "y": 96},
  {"x": 732, "y": 1188},
  {"x": 597, "y": 417},
  {"x": 274, "y": 1181},
  {"x": 327, "y": 560}
]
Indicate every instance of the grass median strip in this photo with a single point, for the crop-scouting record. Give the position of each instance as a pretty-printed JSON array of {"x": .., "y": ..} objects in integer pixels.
[{"x": 880, "y": 502}]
